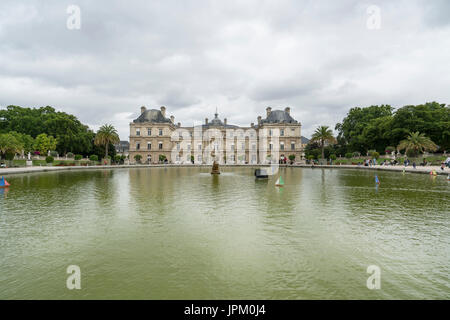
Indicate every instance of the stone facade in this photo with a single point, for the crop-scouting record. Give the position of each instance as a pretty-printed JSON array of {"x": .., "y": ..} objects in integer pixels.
[{"x": 157, "y": 138}]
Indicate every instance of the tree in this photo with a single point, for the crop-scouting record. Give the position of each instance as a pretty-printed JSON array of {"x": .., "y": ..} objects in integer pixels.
[
  {"x": 9, "y": 146},
  {"x": 44, "y": 143},
  {"x": 70, "y": 133},
  {"x": 26, "y": 140},
  {"x": 138, "y": 158},
  {"x": 323, "y": 135},
  {"x": 365, "y": 128},
  {"x": 106, "y": 135},
  {"x": 417, "y": 143}
]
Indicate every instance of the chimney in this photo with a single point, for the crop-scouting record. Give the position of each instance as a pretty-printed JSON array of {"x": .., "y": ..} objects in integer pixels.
[
  {"x": 287, "y": 110},
  {"x": 225, "y": 121},
  {"x": 143, "y": 109},
  {"x": 259, "y": 120},
  {"x": 206, "y": 120},
  {"x": 172, "y": 119},
  {"x": 269, "y": 110},
  {"x": 163, "y": 111}
]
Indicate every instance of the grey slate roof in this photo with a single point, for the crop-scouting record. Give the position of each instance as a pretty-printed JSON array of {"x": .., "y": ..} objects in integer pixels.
[
  {"x": 305, "y": 140},
  {"x": 279, "y": 116},
  {"x": 152, "y": 115},
  {"x": 216, "y": 122}
]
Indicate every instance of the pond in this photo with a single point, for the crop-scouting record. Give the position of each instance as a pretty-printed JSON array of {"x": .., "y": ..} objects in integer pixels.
[{"x": 181, "y": 233}]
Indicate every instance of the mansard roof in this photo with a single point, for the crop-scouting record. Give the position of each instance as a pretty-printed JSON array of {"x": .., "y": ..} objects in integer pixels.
[
  {"x": 152, "y": 115},
  {"x": 279, "y": 116}
]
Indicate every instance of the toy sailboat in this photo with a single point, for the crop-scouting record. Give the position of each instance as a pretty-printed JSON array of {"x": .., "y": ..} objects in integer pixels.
[
  {"x": 3, "y": 183},
  {"x": 280, "y": 182},
  {"x": 377, "y": 181}
]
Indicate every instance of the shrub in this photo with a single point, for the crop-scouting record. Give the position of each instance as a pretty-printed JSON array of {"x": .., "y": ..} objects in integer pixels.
[
  {"x": 349, "y": 155},
  {"x": 332, "y": 156},
  {"x": 389, "y": 149},
  {"x": 375, "y": 154},
  {"x": 138, "y": 158},
  {"x": 162, "y": 157},
  {"x": 93, "y": 157},
  {"x": 53, "y": 154},
  {"x": 49, "y": 159},
  {"x": 310, "y": 157},
  {"x": 78, "y": 157},
  {"x": 117, "y": 158},
  {"x": 356, "y": 154},
  {"x": 69, "y": 155},
  {"x": 292, "y": 157}
]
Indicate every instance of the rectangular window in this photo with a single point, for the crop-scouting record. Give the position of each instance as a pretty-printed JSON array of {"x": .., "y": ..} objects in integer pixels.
[
  {"x": 149, "y": 132},
  {"x": 138, "y": 131},
  {"x": 254, "y": 147},
  {"x": 149, "y": 146},
  {"x": 270, "y": 146},
  {"x": 160, "y": 146},
  {"x": 199, "y": 158},
  {"x": 160, "y": 132},
  {"x": 189, "y": 147},
  {"x": 199, "y": 147},
  {"x": 138, "y": 146},
  {"x": 232, "y": 147},
  {"x": 242, "y": 146},
  {"x": 282, "y": 132},
  {"x": 270, "y": 132},
  {"x": 292, "y": 145},
  {"x": 281, "y": 146},
  {"x": 178, "y": 147}
]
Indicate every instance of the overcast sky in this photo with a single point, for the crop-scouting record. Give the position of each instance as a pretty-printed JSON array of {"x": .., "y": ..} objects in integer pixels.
[{"x": 318, "y": 57}]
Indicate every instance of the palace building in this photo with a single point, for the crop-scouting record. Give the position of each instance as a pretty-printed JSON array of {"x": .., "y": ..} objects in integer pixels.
[{"x": 156, "y": 138}]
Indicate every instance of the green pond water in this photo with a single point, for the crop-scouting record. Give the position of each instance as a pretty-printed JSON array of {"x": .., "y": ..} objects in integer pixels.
[{"x": 180, "y": 233}]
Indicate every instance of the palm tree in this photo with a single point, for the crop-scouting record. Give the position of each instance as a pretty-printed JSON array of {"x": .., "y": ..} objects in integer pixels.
[
  {"x": 322, "y": 135},
  {"x": 105, "y": 135},
  {"x": 417, "y": 143},
  {"x": 9, "y": 145}
]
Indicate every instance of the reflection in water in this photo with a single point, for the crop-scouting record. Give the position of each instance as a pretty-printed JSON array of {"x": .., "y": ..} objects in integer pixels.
[{"x": 182, "y": 233}]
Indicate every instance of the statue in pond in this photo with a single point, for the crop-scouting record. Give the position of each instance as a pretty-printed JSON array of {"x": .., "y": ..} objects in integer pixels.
[{"x": 215, "y": 166}]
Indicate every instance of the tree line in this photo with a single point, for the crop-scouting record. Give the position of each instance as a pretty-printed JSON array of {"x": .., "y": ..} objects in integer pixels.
[
  {"x": 410, "y": 129},
  {"x": 39, "y": 130}
]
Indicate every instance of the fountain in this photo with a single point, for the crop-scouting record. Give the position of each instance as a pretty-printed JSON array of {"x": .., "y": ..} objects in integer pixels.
[{"x": 215, "y": 166}]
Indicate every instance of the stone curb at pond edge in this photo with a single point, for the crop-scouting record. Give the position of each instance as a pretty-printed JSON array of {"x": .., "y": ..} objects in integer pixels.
[{"x": 423, "y": 170}]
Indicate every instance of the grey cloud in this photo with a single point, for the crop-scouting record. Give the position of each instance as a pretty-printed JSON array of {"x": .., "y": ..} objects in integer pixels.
[{"x": 317, "y": 57}]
